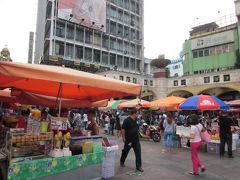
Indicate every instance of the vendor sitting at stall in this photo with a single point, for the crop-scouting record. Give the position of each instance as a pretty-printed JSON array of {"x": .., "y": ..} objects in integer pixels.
[
  {"x": 92, "y": 125},
  {"x": 36, "y": 113},
  {"x": 22, "y": 119}
]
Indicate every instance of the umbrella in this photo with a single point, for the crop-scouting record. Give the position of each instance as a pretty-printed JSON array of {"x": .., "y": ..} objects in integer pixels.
[
  {"x": 63, "y": 82},
  {"x": 132, "y": 103},
  {"x": 108, "y": 107},
  {"x": 115, "y": 105},
  {"x": 234, "y": 102},
  {"x": 203, "y": 102},
  {"x": 167, "y": 103}
]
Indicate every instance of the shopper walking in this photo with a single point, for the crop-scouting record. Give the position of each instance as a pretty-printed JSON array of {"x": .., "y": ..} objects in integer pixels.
[
  {"x": 195, "y": 144},
  {"x": 225, "y": 123},
  {"x": 118, "y": 125},
  {"x": 131, "y": 140},
  {"x": 112, "y": 122},
  {"x": 169, "y": 129}
]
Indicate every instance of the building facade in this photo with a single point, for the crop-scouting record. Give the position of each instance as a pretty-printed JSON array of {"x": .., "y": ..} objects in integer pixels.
[
  {"x": 176, "y": 68},
  {"x": 30, "y": 47},
  {"x": 152, "y": 88},
  {"x": 110, "y": 36},
  {"x": 211, "y": 47}
]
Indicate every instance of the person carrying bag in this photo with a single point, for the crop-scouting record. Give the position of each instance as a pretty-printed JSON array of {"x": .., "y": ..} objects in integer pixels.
[
  {"x": 205, "y": 136},
  {"x": 195, "y": 144}
]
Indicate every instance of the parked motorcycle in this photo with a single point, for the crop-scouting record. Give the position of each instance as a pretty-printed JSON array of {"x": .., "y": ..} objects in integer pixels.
[{"x": 149, "y": 132}]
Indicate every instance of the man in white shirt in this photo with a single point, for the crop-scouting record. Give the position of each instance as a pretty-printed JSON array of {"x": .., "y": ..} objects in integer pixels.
[{"x": 85, "y": 120}]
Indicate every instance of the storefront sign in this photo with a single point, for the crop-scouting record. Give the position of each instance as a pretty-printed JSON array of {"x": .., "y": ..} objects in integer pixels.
[{"x": 213, "y": 40}]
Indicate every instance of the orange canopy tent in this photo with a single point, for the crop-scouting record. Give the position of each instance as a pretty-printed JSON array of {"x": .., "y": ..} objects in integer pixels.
[
  {"x": 132, "y": 103},
  {"x": 168, "y": 103},
  {"x": 63, "y": 82},
  {"x": 48, "y": 101}
]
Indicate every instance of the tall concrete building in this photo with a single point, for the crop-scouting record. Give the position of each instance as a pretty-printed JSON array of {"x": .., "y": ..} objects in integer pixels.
[
  {"x": 91, "y": 35},
  {"x": 30, "y": 47}
]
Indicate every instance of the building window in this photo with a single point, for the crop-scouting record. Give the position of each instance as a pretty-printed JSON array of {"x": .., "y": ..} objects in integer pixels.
[
  {"x": 104, "y": 57},
  {"x": 112, "y": 59},
  {"x": 132, "y": 64},
  {"x": 96, "y": 56},
  {"x": 226, "y": 77},
  {"x": 69, "y": 51},
  {"x": 183, "y": 82},
  {"x": 225, "y": 48},
  {"x": 79, "y": 52},
  {"x": 120, "y": 30},
  {"x": 145, "y": 82},
  {"x": 212, "y": 51},
  {"x": 176, "y": 66},
  {"x": 200, "y": 53},
  {"x": 206, "y": 52},
  {"x": 119, "y": 61},
  {"x": 135, "y": 80},
  {"x": 88, "y": 36},
  {"x": 88, "y": 54},
  {"x": 216, "y": 79},
  {"x": 126, "y": 62},
  {"x": 128, "y": 79},
  {"x": 151, "y": 83},
  {"x": 60, "y": 30},
  {"x": 121, "y": 78},
  {"x": 97, "y": 39},
  {"x": 206, "y": 79},
  {"x": 113, "y": 43},
  {"x": 59, "y": 49},
  {"x": 105, "y": 41},
  {"x": 175, "y": 83},
  {"x": 195, "y": 54},
  {"x": 80, "y": 34},
  {"x": 218, "y": 50}
]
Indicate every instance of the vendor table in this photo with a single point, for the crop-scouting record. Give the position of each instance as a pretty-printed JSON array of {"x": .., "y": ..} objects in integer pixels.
[{"x": 52, "y": 166}]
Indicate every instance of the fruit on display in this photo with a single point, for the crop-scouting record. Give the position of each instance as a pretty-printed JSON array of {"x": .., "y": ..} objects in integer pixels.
[
  {"x": 31, "y": 138},
  {"x": 215, "y": 137}
]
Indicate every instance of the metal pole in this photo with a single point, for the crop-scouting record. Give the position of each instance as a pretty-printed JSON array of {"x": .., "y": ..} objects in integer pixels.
[{"x": 60, "y": 100}]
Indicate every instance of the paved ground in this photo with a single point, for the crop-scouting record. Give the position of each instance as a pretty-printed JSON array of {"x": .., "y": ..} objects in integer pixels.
[{"x": 175, "y": 164}]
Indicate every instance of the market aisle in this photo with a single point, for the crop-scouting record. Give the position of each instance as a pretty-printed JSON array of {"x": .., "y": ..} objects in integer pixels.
[{"x": 175, "y": 164}]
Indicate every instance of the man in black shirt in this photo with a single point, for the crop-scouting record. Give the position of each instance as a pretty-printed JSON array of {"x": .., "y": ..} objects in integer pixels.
[
  {"x": 131, "y": 140},
  {"x": 225, "y": 123}
]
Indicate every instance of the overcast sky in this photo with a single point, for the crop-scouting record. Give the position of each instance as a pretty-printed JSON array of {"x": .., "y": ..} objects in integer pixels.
[{"x": 167, "y": 24}]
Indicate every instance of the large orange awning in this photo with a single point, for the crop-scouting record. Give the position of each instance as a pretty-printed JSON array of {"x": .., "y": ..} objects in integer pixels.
[
  {"x": 22, "y": 97},
  {"x": 5, "y": 96},
  {"x": 167, "y": 103},
  {"x": 66, "y": 82}
]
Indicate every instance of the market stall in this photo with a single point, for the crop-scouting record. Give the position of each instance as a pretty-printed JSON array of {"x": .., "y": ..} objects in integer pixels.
[
  {"x": 67, "y": 151},
  {"x": 205, "y": 103}
]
